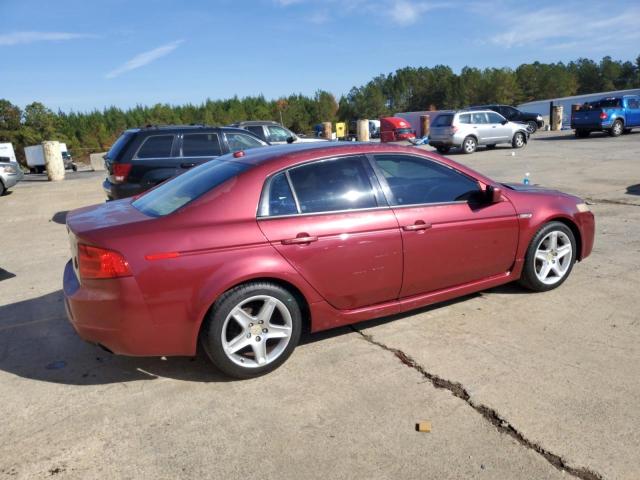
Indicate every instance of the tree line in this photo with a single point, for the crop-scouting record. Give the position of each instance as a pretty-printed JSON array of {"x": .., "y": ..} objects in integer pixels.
[{"x": 406, "y": 89}]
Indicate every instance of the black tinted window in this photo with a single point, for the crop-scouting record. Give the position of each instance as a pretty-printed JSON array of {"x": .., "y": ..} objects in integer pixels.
[
  {"x": 443, "y": 121},
  {"x": 119, "y": 145},
  {"x": 185, "y": 188},
  {"x": 158, "y": 146},
  {"x": 332, "y": 185},
  {"x": 200, "y": 145},
  {"x": 281, "y": 200},
  {"x": 415, "y": 181},
  {"x": 257, "y": 130},
  {"x": 609, "y": 103}
]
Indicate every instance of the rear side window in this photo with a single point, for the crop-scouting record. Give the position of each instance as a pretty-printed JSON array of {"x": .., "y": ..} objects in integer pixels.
[
  {"x": 119, "y": 145},
  {"x": 240, "y": 141},
  {"x": 181, "y": 190},
  {"x": 257, "y": 130},
  {"x": 157, "y": 146},
  {"x": 281, "y": 201},
  {"x": 333, "y": 185},
  {"x": 200, "y": 145},
  {"x": 443, "y": 121},
  {"x": 466, "y": 118},
  {"x": 415, "y": 181}
]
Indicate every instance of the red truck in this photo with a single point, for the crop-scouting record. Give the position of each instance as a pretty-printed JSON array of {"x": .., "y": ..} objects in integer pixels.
[{"x": 393, "y": 129}]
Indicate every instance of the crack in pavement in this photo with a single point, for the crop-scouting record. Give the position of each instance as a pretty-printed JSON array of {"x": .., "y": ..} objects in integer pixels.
[{"x": 487, "y": 413}]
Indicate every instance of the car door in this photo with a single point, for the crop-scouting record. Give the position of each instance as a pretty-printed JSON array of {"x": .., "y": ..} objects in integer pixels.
[
  {"x": 154, "y": 160},
  {"x": 633, "y": 112},
  {"x": 480, "y": 125},
  {"x": 500, "y": 130},
  {"x": 198, "y": 148},
  {"x": 450, "y": 235},
  {"x": 331, "y": 222}
]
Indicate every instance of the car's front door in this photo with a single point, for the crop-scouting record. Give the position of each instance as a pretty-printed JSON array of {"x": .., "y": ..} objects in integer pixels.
[
  {"x": 330, "y": 221},
  {"x": 500, "y": 130},
  {"x": 633, "y": 112},
  {"x": 450, "y": 235}
]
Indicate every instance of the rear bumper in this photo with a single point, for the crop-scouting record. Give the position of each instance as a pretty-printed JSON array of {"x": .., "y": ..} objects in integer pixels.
[
  {"x": 591, "y": 125},
  {"x": 116, "y": 191},
  {"x": 9, "y": 180},
  {"x": 113, "y": 314}
]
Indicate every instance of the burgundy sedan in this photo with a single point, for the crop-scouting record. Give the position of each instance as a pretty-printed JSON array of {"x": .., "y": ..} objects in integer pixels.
[{"x": 237, "y": 254}]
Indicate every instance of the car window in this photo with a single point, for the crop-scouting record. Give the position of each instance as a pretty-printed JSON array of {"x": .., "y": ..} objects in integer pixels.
[
  {"x": 479, "y": 118},
  {"x": 240, "y": 141},
  {"x": 257, "y": 130},
  {"x": 157, "y": 146},
  {"x": 333, "y": 185},
  {"x": 494, "y": 117},
  {"x": 608, "y": 103},
  {"x": 633, "y": 103},
  {"x": 200, "y": 145},
  {"x": 416, "y": 181},
  {"x": 443, "y": 120},
  {"x": 118, "y": 146},
  {"x": 180, "y": 190},
  {"x": 465, "y": 118},
  {"x": 281, "y": 201},
  {"x": 509, "y": 112},
  {"x": 277, "y": 133}
]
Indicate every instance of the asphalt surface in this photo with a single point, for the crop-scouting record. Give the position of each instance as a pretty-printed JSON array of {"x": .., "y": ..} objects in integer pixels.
[{"x": 515, "y": 385}]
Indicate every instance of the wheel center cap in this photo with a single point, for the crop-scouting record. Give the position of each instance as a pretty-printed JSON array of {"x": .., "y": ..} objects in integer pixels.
[{"x": 256, "y": 329}]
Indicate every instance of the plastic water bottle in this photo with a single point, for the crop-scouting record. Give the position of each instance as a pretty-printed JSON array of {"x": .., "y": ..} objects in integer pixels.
[{"x": 526, "y": 179}]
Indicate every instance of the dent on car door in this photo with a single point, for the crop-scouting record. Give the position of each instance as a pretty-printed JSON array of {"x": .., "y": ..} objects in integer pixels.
[
  {"x": 328, "y": 220},
  {"x": 451, "y": 236}
]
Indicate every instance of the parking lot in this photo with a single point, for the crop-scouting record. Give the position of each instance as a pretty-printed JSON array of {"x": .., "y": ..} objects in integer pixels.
[{"x": 515, "y": 384}]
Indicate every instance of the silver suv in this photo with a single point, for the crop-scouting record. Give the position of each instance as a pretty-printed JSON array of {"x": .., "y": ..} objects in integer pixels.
[
  {"x": 10, "y": 174},
  {"x": 468, "y": 129}
]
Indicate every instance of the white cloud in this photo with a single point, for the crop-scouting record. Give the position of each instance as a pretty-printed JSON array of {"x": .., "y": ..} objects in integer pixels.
[
  {"x": 405, "y": 12},
  {"x": 144, "y": 58},
  {"x": 16, "y": 38}
]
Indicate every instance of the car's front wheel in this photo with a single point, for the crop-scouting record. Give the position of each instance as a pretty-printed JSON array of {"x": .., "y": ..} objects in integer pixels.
[
  {"x": 518, "y": 140},
  {"x": 532, "y": 126},
  {"x": 252, "y": 329},
  {"x": 549, "y": 258}
]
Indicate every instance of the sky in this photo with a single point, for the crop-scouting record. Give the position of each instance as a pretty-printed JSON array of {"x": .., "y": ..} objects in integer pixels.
[{"x": 81, "y": 54}]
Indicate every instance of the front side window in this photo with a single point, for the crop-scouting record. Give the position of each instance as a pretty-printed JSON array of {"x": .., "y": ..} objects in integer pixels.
[
  {"x": 495, "y": 118},
  {"x": 415, "y": 181},
  {"x": 201, "y": 145},
  {"x": 281, "y": 201},
  {"x": 333, "y": 185},
  {"x": 240, "y": 141},
  {"x": 633, "y": 103},
  {"x": 277, "y": 134},
  {"x": 157, "y": 146}
]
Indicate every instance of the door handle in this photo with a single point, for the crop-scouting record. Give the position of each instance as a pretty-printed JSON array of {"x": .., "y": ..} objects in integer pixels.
[
  {"x": 187, "y": 165},
  {"x": 419, "y": 225},
  {"x": 301, "y": 238}
]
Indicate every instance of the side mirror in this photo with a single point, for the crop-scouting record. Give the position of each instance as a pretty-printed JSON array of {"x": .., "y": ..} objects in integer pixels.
[
  {"x": 291, "y": 139},
  {"x": 494, "y": 194},
  {"x": 504, "y": 122}
]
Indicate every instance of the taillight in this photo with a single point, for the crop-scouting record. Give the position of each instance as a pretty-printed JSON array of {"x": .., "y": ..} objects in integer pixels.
[
  {"x": 603, "y": 116},
  {"x": 94, "y": 262},
  {"x": 121, "y": 171},
  {"x": 454, "y": 129}
]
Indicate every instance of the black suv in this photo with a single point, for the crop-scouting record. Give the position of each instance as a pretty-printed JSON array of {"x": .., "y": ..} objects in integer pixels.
[
  {"x": 533, "y": 120},
  {"x": 144, "y": 157}
]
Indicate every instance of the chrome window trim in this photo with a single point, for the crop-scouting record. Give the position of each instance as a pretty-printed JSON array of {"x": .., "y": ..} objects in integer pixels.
[
  {"x": 293, "y": 192},
  {"x": 332, "y": 212},
  {"x": 173, "y": 142}
]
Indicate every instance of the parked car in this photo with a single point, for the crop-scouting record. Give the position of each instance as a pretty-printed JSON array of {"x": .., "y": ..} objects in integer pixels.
[
  {"x": 274, "y": 133},
  {"x": 394, "y": 129},
  {"x": 240, "y": 252},
  {"x": 468, "y": 129},
  {"x": 533, "y": 121},
  {"x": 615, "y": 115},
  {"x": 142, "y": 158},
  {"x": 10, "y": 174}
]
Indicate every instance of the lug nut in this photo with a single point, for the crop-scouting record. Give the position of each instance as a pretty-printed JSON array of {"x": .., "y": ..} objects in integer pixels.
[
  {"x": 261, "y": 322},
  {"x": 248, "y": 335},
  {"x": 264, "y": 330},
  {"x": 251, "y": 324},
  {"x": 257, "y": 339}
]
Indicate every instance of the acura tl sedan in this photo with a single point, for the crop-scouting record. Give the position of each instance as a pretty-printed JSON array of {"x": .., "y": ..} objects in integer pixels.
[{"x": 238, "y": 254}]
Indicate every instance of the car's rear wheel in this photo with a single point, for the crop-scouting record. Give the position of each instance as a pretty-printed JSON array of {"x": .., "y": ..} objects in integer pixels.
[
  {"x": 518, "y": 140},
  {"x": 469, "y": 145},
  {"x": 252, "y": 329},
  {"x": 532, "y": 126},
  {"x": 616, "y": 129},
  {"x": 583, "y": 133},
  {"x": 549, "y": 258},
  {"x": 491, "y": 146},
  {"x": 443, "y": 150}
]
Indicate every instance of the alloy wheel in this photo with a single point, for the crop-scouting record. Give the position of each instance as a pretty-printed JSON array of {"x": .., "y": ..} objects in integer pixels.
[
  {"x": 256, "y": 331},
  {"x": 519, "y": 140},
  {"x": 469, "y": 145},
  {"x": 553, "y": 257}
]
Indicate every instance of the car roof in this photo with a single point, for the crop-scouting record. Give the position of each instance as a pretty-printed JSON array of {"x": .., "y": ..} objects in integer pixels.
[
  {"x": 181, "y": 128},
  {"x": 254, "y": 122}
]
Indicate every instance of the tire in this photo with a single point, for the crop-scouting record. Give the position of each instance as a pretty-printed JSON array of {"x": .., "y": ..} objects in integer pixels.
[
  {"x": 532, "y": 127},
  {"x": 617, "y": 128},
  {"x": 2, "y": 189},
  {"x": 223, "y": 330},
  {"x": 583, "y": 133},
  {"x": 74, "y": 167},
  {"x": 519, "y": 140},
  {"x": 443, "y": 150},
  {"x": 491, "y": 146},
  {"x": 469, "y": 145},
  {"x": 547, "y": 267}
]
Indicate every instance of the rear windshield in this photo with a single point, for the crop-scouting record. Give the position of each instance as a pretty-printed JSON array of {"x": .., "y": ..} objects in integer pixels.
[
  {"x": 609, "y": 103},
  {"x": 179, "y": 191},
  {"x": 404, "y": 130},
  {"x": 117, "y": 147},
  {"x": 443, "y": 121}
]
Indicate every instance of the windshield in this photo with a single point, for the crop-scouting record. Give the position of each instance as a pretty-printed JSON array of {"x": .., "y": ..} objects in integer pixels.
[{"x": 179, "y": 191}]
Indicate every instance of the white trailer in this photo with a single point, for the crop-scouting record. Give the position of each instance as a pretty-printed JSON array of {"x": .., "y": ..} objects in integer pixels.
[
  {"x": 35, "y": 158},
  {"x": 6, "y": 151}
]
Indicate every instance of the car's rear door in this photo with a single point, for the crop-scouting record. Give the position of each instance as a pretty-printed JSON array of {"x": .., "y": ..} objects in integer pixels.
[
  {"x": 450, "y": 236},
  {"x": 331, "y": 222},
  {"x": 155, "y": 160},
  {"x": 197, "y": 148},
  {"x": 482, "y": 128}
]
